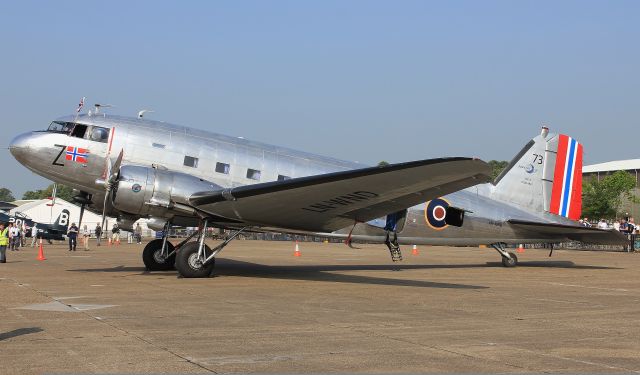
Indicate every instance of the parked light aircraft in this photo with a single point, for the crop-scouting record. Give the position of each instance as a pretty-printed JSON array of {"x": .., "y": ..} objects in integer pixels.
[
  {"x": 174, "y": 175},
  {"x": 55, "y": 231}
]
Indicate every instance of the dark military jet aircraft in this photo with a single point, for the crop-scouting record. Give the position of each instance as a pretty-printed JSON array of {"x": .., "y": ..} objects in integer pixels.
[{"x": 55, "y": 231}]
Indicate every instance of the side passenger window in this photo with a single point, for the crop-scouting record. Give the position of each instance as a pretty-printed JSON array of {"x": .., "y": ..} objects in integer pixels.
[
  {"x": 253, "y": 174},
  {"x": 222, "y": 168}
]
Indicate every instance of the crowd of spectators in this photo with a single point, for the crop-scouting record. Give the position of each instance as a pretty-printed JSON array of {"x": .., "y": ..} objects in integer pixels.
[{"x": 625, "y": 225}]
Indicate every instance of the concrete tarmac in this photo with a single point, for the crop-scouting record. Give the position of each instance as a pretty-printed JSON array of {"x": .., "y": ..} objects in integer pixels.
[{"x": 334, "y": 309}]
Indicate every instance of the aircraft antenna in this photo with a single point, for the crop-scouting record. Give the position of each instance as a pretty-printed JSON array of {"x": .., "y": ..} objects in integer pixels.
[
  {"x": 97, "y": 107},
  {"x": 544, "y": 131},
  {"x": 141, "y": 113}
]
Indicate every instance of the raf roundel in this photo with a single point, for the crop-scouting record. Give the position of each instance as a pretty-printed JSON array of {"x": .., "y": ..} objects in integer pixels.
[{"x": 435, "y": 213}]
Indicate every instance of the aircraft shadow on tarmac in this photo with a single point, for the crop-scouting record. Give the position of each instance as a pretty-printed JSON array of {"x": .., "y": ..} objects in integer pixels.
[
  {"x": 19, "y": 332},
  {"x": 229, "y": 267},
  {"x": 556, "y": 264}
]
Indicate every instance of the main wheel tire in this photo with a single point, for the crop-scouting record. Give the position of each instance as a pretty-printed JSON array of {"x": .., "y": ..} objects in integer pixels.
[
  {"x": 188, "y": 264},
  {"x": 510, "y": 262},
  {"x": 152, "y": 256}
]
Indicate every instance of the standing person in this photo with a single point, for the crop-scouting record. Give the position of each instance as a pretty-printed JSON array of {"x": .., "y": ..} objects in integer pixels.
[
  {"x": 602, "y": 224},
  {"x": 138, "y": 233},
  {"x": 10, "y": 236},
  {"x": 16, "y": 237},
  {"x": 85, "y": 237},
  {"x": 12, "y": 233},
  {"x": 98, "y": 231},
  {"x": 72, "y": 234},
  {"x": 632, "y": 233},
  {"x": 624, "y": 229},
  {"x": 23, "y": 234},
  {"x": 34, "y": 234},
  {"x": 4, "y": 240},
  {"x": 115, "y": 234}
]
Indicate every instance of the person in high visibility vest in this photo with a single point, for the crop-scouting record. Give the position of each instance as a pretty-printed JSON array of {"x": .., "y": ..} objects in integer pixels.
[{"x": 4, "y": 241}]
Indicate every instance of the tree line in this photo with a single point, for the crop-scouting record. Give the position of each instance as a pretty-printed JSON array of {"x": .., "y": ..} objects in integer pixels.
[{"x": 63, "y": 192}]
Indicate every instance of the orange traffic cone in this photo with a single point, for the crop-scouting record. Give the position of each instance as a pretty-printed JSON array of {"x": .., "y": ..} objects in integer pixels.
[
  {"x": 41, "y": 252},
  {"x": 415, "y": 250},
  {"x": 297, "y": 252},
  {"x": 520, "y": 249}
]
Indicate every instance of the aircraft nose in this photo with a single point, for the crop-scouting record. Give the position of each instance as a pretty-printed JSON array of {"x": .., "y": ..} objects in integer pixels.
[{"x": 20, "y": 145}]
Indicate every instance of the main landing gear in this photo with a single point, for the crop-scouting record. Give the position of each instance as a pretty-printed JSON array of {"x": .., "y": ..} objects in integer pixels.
[
  {"x": 196, "y": 259},
  {"x": 160, "y": 254},
  {"x": 508, "y": 259},
  {"x": 392, "y": 244}
]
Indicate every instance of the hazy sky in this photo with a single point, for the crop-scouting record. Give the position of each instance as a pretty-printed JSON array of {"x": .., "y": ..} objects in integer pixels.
[{"x": 357, "y": 80}]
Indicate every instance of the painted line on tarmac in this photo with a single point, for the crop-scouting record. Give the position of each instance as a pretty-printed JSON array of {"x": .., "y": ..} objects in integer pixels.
[
  {"x": 565, "y": 301},
  {"x": 589, "y": 287}
]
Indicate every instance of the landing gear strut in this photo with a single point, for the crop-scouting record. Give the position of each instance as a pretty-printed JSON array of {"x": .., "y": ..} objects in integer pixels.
[
  {"x": 392, "y": 244},
  {"x": 508, "y": 259},
  {"x": 160, "y": 254},
  {"x": 196, "y": 259}
]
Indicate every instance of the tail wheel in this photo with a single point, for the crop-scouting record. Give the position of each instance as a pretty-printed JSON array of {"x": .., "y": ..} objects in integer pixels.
[
  {"x": 510, "y": 262},
  {"x": 153, "y": 258},
  {"x": 189, "y": 265}
]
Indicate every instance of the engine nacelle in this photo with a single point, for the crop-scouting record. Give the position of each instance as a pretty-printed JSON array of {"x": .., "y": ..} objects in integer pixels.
[{"x": 148, "y": 191}]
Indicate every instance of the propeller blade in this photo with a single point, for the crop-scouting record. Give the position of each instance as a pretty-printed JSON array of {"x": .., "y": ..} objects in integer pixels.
[
  {"x": 116, "y": 166},
  {"x": 111, "y": 173},
  {"x": 107, "y": 168},
  {"x": 81, "y": 214},
  {"x": 104, "y": 209}
]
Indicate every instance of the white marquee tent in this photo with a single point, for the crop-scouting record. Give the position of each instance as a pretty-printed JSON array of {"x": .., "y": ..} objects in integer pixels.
[{"x": 42, "y": 211}]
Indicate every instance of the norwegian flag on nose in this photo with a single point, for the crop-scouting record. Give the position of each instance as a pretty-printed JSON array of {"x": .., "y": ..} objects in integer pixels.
[{"x": 77, "y": 154}]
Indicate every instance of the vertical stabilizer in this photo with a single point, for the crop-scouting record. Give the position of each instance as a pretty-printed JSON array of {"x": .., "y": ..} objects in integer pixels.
[
  {"x": 62, "y": 220},
  {"x": 563, "y": 177},
  {"x": 545, "y": 176}
]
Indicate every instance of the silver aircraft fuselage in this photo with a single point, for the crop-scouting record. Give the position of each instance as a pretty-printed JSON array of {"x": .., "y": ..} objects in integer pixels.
[{"x": 232, "y": 161}]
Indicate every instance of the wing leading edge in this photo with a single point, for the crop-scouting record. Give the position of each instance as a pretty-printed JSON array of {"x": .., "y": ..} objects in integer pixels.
[{"x": 332, "y": 201}]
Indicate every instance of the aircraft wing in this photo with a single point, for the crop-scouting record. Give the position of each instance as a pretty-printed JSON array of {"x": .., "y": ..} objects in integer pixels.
[
  {"x": 327, "y": 202},
  {"x": 575, "y": 233}
]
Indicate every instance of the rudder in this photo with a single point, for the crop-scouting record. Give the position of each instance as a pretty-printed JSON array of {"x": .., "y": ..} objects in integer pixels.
[
  {"x": 545, "y": 176},
  {"x": 563, "y": 177},
  {"x": 63, "y": 219}
]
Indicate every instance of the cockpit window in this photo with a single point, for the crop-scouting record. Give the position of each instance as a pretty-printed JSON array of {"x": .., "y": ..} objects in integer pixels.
[
  {"x": 79, "y": 130},
  {"x": 92, "y": 133},
  {"x": 60, "y": 127},
  {"x": 99, "y": 134}
]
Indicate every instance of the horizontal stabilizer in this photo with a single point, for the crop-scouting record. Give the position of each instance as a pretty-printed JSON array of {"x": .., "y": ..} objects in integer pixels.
[
  {"x": 332, "y": 201},
  {"x": 574, "y": 233}
]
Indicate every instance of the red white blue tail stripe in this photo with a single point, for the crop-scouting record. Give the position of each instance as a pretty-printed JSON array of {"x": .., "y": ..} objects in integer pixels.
[{"x": 566, "y": 195}]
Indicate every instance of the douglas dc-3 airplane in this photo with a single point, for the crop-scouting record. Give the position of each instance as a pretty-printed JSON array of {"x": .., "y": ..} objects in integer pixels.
[{"x": 174, "y": 175}]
